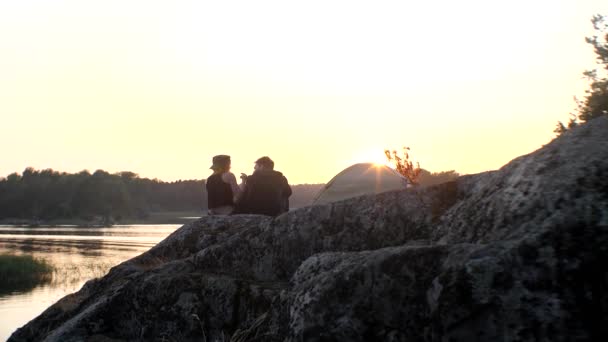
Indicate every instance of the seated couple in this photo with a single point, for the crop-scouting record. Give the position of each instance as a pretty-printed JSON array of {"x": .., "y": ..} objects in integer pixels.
[{"x": 265, "y": 192}]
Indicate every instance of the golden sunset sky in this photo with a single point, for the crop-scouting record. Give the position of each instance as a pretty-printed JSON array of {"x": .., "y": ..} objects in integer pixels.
[{"x": 159, "y": 87}]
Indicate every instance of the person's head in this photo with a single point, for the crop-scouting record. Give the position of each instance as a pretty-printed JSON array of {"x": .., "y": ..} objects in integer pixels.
[
  {"x": 264, "y": 163},
  {"x": 221, "y": 163}
]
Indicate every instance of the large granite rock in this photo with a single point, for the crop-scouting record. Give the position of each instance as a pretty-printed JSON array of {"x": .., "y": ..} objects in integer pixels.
[{"x": 518, "y": 254}]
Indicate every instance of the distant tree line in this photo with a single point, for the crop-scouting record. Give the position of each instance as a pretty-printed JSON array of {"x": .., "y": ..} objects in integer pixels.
[
  {"x": 427, "y": 178},
  {"x": 51, "y": 195},
  {"x": 48, "y": 194}
]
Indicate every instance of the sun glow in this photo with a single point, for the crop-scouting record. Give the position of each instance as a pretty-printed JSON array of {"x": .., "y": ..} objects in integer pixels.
[{"x": 375, "y": 156}]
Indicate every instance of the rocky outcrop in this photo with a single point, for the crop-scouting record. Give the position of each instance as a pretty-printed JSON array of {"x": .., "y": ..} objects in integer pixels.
[{"x": 518, "y": 254}]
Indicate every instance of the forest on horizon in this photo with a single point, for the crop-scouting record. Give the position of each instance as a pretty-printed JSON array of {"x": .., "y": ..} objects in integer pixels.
[{"x": 48, "y": 195}]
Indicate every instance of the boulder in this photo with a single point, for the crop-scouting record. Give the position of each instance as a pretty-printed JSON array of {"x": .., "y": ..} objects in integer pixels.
[{"x": 517, "y": 254}]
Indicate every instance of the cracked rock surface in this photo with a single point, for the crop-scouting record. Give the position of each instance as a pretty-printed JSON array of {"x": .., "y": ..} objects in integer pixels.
[{"x": 517, "y": 254}]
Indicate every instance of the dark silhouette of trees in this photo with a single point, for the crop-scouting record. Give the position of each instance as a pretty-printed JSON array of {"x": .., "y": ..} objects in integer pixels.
[
  {"x": 427, "y": 178},
  {"x": 48, "y": 195},
  {"x": 595, "y": 102}
]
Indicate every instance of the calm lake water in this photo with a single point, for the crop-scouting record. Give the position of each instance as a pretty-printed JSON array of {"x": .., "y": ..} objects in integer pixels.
[{"x": 78, "y": 254}]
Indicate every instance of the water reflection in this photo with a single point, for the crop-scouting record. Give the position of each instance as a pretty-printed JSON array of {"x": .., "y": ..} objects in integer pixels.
[{"x": 77, "y": 254}]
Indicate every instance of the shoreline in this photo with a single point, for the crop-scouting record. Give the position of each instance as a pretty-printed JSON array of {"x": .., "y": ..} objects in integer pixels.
[{"x": 180, "y": 217}]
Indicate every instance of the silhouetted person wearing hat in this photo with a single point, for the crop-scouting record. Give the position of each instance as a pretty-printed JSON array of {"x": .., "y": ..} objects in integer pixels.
[
  {"x": 222, "y": 189},
  {"x": 265, "y": 192}
]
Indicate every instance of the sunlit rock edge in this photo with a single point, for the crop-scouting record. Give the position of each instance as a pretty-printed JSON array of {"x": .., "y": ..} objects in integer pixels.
[{"x": 517, "y": 254}]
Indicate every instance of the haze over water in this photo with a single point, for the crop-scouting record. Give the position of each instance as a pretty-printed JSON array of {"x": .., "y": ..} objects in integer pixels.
[{"x": 78, "y": 254}]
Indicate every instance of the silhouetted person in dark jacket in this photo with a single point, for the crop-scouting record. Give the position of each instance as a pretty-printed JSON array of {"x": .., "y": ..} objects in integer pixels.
[{"x": 266, "y": 192}]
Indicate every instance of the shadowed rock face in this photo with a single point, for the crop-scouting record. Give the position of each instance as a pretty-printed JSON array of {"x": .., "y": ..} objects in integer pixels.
[{"x": 517, "y": 254}]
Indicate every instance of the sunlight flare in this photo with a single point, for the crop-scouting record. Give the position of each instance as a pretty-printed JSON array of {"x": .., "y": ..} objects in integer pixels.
[{"x": 374, "y": 156}]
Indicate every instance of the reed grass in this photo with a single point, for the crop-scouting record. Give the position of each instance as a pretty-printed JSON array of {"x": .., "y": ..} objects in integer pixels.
[{"x": 22, "y": 271}]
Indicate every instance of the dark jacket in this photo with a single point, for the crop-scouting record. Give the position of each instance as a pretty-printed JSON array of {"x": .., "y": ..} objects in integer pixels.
[{"x": 266, "y": 193}]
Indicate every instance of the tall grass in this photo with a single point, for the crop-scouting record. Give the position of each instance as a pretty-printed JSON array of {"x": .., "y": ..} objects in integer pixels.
[
  {"x": 72, "y": 274},
  {"x": 21, "y": 272}
]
